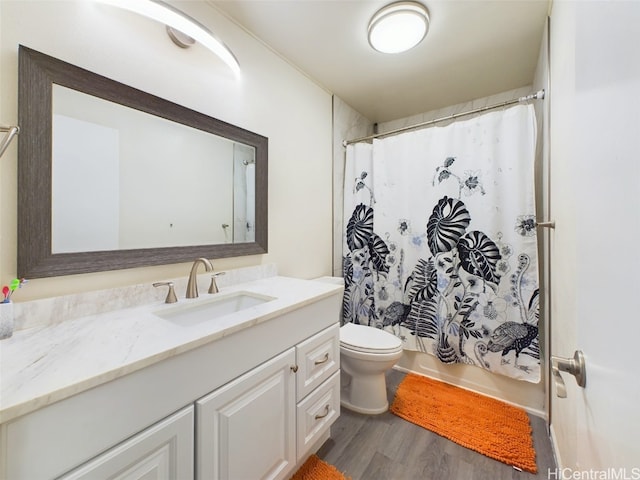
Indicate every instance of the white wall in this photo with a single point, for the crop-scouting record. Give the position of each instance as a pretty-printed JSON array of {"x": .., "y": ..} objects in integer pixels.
[
  {"x": 348, "y": 124},
  {"x": 271, "y": 98}
]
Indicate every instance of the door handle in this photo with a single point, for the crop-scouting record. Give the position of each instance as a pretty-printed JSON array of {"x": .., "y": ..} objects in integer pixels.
[{"x": 575, "y": 366}]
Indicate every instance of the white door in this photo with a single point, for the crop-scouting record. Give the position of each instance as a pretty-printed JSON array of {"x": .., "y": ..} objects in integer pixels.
[
  {"x": 246, "y": 429},
  {"x": 595, "y": 260}
]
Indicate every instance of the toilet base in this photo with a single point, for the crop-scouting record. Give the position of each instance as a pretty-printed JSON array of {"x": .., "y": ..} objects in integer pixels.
[
  {"x": 354, "y": 408},
  {"x": 364, "y": 394}
]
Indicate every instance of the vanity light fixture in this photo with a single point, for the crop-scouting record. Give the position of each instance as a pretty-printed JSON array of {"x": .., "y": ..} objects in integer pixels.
[
  {"x": 180, "y": 27},
  {"x": 398, "y": 27},
  {"x": 179, "y": 38}
]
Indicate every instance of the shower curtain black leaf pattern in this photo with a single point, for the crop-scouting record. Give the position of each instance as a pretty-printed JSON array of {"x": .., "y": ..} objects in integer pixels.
[
  {"x": 446, "y": 225},
  {"x": 479, "y": 256},
  {"x": 430, "y": 312},
  {"x": 452, "y": 301}
]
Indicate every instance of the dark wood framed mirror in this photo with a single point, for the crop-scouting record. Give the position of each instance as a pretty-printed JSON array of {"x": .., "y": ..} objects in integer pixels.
[{"x": 96, "y": 214}]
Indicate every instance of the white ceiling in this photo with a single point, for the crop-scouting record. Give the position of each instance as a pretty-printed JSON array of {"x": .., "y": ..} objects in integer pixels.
[{"x": 474, "y": 48}]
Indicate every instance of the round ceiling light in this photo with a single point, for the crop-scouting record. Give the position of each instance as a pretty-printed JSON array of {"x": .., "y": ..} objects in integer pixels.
[{"x": 398, "y": 27}]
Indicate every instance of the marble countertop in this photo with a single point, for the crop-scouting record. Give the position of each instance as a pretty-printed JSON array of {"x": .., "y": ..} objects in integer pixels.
[{"x": 46, "y": 364}]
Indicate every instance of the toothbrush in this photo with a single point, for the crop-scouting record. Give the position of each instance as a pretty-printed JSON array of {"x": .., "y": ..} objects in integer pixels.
[
  {"x": 15, "y": 284},
  {"x": 5, "y": 294}
]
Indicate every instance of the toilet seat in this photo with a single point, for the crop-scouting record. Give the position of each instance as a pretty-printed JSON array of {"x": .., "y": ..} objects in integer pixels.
[{"x": 364, "y": 339}]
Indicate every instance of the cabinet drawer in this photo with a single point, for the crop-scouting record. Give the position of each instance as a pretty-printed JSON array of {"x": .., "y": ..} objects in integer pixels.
[
  {"x": 317, "y": 412},
  {"x": 317, "y": 358}
]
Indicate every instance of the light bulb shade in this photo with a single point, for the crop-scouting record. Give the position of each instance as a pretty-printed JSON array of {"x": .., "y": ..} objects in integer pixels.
[
  {"x": 166, "y": 14},
  {"x": 398, "y": 27}
]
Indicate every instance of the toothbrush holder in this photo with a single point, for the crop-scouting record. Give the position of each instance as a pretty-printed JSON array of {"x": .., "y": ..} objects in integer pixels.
[{"x": 6, "y": 320}]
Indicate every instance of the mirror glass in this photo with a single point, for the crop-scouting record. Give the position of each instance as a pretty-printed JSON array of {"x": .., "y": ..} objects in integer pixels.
[
  {"x": 124, "y": 179},
  {"x": 112, "y": 177}
]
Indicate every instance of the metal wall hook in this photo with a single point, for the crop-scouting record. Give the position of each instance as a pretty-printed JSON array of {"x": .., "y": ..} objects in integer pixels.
[
  {"x": 11, "y": 132},
  {"x": 575, "y": 366}
]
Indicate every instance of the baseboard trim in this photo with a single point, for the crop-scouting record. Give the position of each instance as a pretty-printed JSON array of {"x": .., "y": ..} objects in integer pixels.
[{"x": 554, "y": 448}]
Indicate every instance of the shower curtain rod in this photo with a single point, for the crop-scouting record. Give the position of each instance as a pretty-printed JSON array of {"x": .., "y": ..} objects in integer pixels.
[{"x": 539, "y": 95}]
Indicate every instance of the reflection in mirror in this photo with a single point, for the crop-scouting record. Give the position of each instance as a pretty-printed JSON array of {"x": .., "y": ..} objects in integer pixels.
[
  {"x": 244, "y": 193},
  {"x": 201, "y": 199},
  {"x": 111, "y": 177}
]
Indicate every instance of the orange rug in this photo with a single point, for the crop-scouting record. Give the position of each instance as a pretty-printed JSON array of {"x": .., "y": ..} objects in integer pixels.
[
  {"x": 316, "y": 469},
  {"x": 485, "y": 425}
]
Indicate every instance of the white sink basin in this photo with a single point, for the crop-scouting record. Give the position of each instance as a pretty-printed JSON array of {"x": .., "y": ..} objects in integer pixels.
[{"x": 218, "y": 306}]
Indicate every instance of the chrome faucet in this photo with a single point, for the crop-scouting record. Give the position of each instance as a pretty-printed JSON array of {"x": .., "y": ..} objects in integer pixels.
[{"x": 192, "y": 284}]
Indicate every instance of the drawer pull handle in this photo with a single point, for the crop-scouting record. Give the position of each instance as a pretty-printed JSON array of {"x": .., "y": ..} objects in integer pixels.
[
  {"x": 326, "y": 412},
  {"x": 324, "y": 360},
  {"x": 294, "y": 368}
]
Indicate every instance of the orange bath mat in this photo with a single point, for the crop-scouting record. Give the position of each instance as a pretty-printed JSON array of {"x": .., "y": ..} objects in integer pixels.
[
  {"x": 316, "y": 469},
  {"x": 485, "y": 425}
]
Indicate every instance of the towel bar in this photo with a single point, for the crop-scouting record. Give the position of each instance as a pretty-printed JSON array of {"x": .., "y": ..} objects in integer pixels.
[{"x": 11, "y": 132}]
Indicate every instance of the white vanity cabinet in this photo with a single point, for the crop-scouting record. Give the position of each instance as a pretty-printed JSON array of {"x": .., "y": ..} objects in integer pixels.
[
  {"x": 261, "y": 424},
  {"x": 161, "y": 452},
  {"x": 251, "y": 404}
]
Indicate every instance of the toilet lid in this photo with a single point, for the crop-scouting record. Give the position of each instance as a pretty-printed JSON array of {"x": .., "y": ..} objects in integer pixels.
[{"x": 368, "y": 339}]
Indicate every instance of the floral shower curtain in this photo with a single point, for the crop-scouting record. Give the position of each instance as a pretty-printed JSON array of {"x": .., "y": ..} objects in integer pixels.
[{"x": 440, "y": 243}]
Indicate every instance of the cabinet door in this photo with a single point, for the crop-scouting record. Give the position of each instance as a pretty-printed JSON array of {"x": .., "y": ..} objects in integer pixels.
[
  {"x": 246, "y": 429},
  {"x": 161, "y": 452}
]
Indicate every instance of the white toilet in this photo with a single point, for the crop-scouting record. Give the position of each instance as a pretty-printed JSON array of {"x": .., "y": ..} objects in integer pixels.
[{"x": 366, "y": 353}]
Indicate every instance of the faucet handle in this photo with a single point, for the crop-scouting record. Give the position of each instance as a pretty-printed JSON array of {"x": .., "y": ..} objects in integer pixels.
[
  {"x": 171, "y": 294},
  {"x": 213, "y": 287}
]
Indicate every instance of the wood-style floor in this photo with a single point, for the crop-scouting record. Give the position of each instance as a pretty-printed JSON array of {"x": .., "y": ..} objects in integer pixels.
[{"x": 386, "y": 447}]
